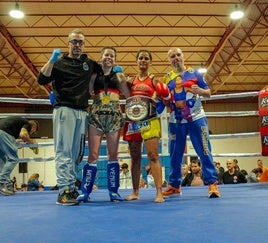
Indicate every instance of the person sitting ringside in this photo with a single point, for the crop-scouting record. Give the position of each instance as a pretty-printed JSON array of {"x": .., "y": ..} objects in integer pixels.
[
  {"x": 194, "y": 178},
  {"x": 23, "y": 187},
  {"x": 254, "y": 175},
  {"x": 233, "y": 176},
  {"x": 34, "y": 184}
]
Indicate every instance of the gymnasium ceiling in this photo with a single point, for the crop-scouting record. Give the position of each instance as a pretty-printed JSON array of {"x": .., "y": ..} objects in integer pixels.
[{"x": 235, "y": 52}]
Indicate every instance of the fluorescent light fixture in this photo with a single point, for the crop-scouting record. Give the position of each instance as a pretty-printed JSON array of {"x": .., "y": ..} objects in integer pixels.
[
  {"x": 202, "y": 69},
  {"x": 237, "y": 14},
  {"x": 16, "y": 13}
]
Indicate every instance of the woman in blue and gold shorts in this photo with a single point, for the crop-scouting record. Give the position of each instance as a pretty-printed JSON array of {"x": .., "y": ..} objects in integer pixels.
[{"x": 143, "y": 124}]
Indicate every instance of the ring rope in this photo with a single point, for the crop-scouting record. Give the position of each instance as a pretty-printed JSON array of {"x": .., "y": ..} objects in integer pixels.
[
  {"x": 215, "y": 136},
  {"x": 122, "y": 102},
  {"x": 104, "y": 157},
  {"x": 208, "y": 114}
]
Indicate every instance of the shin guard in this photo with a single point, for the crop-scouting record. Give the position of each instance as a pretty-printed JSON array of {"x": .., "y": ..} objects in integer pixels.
[
  {"x": 113, "y": 176},
  {"x": 89, "y": 174},
  {"x": 113, "y": 180}
]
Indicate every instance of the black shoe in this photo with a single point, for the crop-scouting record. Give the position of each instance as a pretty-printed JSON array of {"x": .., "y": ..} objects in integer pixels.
[
  {"x": 67, "y": 199},
  {"x": 5, "y": 191},
  {"x": 75, "y": 194}
]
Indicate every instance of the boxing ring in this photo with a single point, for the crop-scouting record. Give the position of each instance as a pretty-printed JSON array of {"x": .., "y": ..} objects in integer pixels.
[
  {"x": 46, "y": 153},
  {"x": 239, "y": 215}
]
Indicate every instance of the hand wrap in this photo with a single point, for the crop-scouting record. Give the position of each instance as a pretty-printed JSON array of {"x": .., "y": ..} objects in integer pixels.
[
  {"x": 55, "y": 55},
  {"x": 118, "y": 69}
]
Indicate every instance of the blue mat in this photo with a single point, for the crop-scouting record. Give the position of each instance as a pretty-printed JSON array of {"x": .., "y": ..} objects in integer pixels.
[{"x": 240, "y": 215}]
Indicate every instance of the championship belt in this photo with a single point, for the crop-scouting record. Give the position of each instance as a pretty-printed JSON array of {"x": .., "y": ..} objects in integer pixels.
[{"x": 140, "y": 108}]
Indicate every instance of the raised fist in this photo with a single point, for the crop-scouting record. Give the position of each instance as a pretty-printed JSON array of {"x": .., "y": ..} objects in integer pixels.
[
  {"x": 162, "y": 91},
  {"x": 55, "y": 55},
  {"x": 118, "y": 69}
]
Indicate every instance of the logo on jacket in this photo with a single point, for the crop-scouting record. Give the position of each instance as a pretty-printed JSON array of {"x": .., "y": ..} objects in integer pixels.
[{"x": 85, "y": 66}]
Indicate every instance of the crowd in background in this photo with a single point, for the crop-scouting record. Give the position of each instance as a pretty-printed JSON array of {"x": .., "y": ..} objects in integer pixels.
[{"x": 233, "y": 174}]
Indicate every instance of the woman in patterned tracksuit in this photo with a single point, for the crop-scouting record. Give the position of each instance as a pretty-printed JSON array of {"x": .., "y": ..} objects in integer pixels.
[{"x": 188, "y": 117}]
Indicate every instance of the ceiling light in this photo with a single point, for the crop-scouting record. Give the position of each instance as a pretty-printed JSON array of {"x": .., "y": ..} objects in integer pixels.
[
  {"x": 16, "y": 13},
  {"x": 237, "y": 14},
  {"x": 202, "y": 69}
]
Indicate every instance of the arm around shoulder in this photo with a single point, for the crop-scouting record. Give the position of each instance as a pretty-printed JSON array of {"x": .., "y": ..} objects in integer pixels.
[{"x": 123, "y": 86}]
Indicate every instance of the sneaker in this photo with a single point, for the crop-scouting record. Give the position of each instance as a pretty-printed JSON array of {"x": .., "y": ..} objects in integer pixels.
[
  {"x": 213, "y": 191},
  {"x": 5, "y": 191},
  {"x": 75, "y": 194},
  {"x": 67, "y": 199},
  {"x": 171, "y": 191}
]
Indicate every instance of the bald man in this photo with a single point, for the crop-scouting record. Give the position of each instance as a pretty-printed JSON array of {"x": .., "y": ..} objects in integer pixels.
[{"x": 188, "y": 118}]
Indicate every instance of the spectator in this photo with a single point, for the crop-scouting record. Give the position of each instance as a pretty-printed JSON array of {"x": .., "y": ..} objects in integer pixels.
[
  {"x": 220, "y": 171},
  {"x": 236, "y": 165},
  {"x": 142, "y": 183},
  {"x": 125, "y": 177},
  {"x": 232, "y": 176},
  {"x": 14, "y": 183},
  {"x": 264, "y": 174},
  {"x": 34, "y": 184},
  {"x": 254, "y": 175},
  {"x": 184, "y": 170},
  {"x": 23, "y": 187},
  {"x": 11, "y": 129},
  {"x": 194, "y": 178}
]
